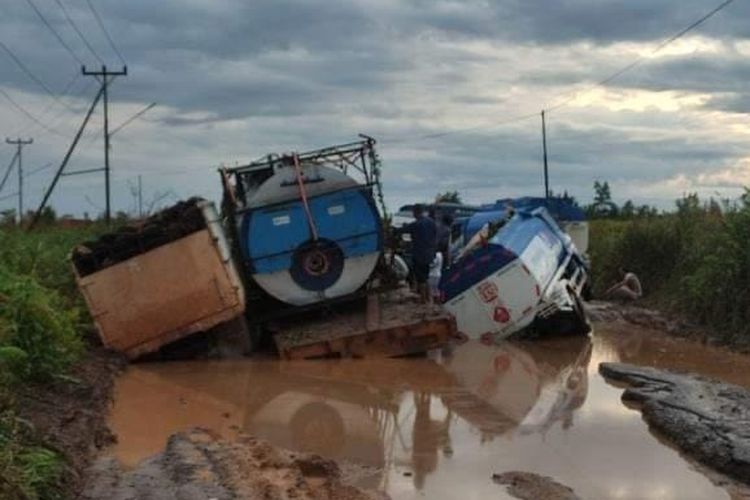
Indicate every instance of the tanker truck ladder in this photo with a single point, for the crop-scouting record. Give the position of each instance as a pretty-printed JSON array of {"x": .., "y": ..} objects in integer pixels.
[{"x": 388, "y": 324}]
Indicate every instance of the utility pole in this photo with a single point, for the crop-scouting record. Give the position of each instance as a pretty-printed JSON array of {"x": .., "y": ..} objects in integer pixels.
[
  {"x": 60, "y": 173},
  {"x": 544, "y": 148},
  {"x": 20, "y": 143},
  {"x": 105, "y": 77}
]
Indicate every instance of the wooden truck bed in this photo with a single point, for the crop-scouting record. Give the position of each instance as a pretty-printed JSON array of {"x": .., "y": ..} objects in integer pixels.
[
  {"x": 389, "y": 325},
  {"x": 157, "y": 297}
]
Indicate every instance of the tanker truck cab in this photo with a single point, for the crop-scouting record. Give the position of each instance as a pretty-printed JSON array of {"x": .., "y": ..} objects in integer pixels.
[{"x": 527, "y": 275}]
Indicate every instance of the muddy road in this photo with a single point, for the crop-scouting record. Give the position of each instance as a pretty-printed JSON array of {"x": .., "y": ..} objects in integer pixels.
[{"x": 440, "y": 427}]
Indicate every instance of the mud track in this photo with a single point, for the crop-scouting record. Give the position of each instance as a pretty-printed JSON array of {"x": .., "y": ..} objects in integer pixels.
[
  {"x": 706, "y": 419},
  {"x": 530, "y": 486},
  {"x": 196, "y": 466}
]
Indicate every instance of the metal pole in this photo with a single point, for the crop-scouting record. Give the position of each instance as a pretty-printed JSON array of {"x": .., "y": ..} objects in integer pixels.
[
  {"x": 8, "y": 170},
  {"x": 65, "y": 161},
  {"x": 20, "y": 143},
  {"x": 20, "y": 183},
  {"x": 105, "y": 82},
  {"x": 544, "y": 147}
]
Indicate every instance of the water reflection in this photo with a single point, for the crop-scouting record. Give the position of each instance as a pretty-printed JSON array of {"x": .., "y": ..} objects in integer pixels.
[
  {"x": 525, "y": 387},
  {"x": 429, "y": 427}
]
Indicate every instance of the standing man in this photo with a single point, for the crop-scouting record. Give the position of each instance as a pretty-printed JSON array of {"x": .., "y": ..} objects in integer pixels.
[
  {"x": 444, "y": 238},
  {"x": 423, "y": 233}
]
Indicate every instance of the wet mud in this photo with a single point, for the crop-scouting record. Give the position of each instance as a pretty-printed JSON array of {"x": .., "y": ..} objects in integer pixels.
[
  {"x": 440, "y": 426},
  {"x": 707, "y": 419},
  {"x": 70, "y": 415},
  {"x": 636, "y": 315},
  {"x": 529, "y": 486},
  {"x": 196, "y": 465}
]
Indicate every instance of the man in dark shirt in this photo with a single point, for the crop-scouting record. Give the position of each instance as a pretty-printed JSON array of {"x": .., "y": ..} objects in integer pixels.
[
  {"x": 444, "y": 237},
  {"x": 423, "y": 233}
]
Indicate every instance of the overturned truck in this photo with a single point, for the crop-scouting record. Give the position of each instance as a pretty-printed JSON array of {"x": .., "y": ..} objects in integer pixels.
[
  {"x": 299, "y": 234},
  {"x": 518, "y": 272},
  {"x": 305, "y": 226},
  {"x": 152, "y": 283}
]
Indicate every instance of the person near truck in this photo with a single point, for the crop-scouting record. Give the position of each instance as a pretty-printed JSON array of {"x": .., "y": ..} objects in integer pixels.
[
  {"x": 628, "y": 288},
  {"x": 444, "y": 238},
  {"x": 423, "y": 233}
]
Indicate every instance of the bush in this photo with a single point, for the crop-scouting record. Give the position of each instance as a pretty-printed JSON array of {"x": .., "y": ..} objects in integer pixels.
[
  {"x": 36, "y": 321},
  {"x": 43, "y": 255},
  {"x": 40, "y": 322},
  {"x": 28, "y": 471},
  {"x": 695, "y": 262}
]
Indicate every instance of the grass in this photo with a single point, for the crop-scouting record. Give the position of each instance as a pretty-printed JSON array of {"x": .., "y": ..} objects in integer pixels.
[
  {"x": 41, "y": 325},
  {"x": 694, "y": 262}
]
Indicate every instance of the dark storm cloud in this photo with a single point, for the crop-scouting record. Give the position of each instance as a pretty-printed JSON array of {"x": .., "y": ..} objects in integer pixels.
[
  {"x": 562, "y": 22},
  {"x": 264, "y": 57},
  {"x": 233, "y": 76}
]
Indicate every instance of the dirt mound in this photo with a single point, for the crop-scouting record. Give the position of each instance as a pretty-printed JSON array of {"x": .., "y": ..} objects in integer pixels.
[
  {"x": 168, "y": 225},
  {"x": 197, "y": 465}
]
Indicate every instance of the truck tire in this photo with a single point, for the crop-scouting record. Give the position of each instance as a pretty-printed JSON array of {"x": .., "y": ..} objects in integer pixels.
[{"x": 580, "y": 324}]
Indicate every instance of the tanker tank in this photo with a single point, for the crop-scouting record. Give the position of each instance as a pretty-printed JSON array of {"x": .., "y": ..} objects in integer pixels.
[{"x": 306, "y": 225}]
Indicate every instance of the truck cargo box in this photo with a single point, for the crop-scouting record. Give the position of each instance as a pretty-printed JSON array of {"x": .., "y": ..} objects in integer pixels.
[{"x": 183, "y": 280}]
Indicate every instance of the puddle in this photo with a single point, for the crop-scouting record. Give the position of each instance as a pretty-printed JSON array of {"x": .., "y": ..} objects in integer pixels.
[{"x": 439, "y": 427}]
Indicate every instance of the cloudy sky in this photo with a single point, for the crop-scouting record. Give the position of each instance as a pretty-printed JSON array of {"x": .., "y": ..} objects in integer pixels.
[{"x": 439, "y": 83}]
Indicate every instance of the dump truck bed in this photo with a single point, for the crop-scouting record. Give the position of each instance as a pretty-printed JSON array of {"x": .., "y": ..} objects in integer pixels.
[
  {"x": 388, "y": 325},
  {"x": 166, "y": 293}
]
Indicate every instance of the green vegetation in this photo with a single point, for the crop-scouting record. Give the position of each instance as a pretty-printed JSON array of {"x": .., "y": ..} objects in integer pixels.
[
  {"x": 448, "y": 197},
  {"x": 694, "y": 261},
  {"x": 41, "y": 322}
]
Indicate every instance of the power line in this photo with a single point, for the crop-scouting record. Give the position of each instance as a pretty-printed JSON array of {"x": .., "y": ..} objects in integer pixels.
[
  {"x": 39, "y": 169},
  {"x": 31, "y": 74},
  {"x": 602, "y": 82},
  {"x": 437, "y": 135},
  {"x": 106, "y": 33},
  {"x": 26, "y": 70},
  {"x": 78, "y": 31},
  {"x": 641, "y": 58},
  {"x": 54, "y": 32},
  {"x": 51, "y": 105},
  {"x": 8, "y": 196},
  {"x": 132, "y": 118},
  {"x": 65, "y": 159},
  {"x": 30, "y": 116},
  {"x": 58, "y": 118},
  {"x": 7, "y": 171}
]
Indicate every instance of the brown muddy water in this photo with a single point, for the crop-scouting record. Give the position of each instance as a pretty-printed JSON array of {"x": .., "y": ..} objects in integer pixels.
[{"x": 439, "y": 427}]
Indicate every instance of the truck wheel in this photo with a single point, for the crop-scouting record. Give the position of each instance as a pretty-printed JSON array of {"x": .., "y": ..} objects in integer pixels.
[
  {"x": 587, "y": 293},
  {"x": 581, "y": 324}
]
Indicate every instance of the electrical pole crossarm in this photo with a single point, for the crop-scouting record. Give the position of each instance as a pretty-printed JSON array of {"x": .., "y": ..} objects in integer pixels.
[
  {"x": 19, "y": 141},
  {"x": 104, "y": 72}
]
